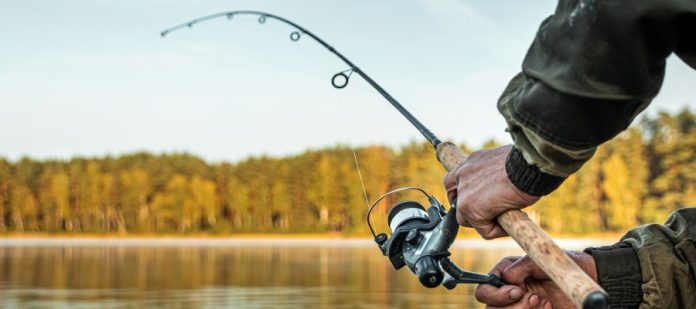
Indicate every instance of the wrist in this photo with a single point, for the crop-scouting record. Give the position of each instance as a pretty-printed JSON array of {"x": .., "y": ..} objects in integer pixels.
[
  {"x": 586, "y": 262},
  {"x": 528, "y": 178}
]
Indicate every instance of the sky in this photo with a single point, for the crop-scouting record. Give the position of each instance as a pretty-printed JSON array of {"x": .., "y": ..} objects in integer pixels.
[{"x": 93, "y": 78}]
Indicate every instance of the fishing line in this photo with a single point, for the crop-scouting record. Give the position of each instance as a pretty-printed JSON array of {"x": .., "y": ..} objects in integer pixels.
[
  {"x": 346, "y": 126},
  {"x": 295, "y": 36},
  {"x": 352, "y": 148}
]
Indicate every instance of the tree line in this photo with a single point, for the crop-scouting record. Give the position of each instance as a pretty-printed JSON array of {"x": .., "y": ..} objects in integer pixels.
[{"x": 639, "y": 177}]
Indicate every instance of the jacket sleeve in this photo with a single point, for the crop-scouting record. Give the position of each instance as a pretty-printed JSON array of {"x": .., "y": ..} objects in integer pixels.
[
  {"x": 593, "y": 66},
  {"x": 653, "y": 266}
]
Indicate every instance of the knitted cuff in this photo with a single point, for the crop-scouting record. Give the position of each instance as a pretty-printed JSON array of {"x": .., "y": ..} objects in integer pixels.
[
  {"x": 619, "y": 273},
  {"x": 527, "y": 177}
]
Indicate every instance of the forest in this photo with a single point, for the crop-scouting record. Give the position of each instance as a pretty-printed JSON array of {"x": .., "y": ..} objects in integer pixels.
[{"x": 639, "y": 177}]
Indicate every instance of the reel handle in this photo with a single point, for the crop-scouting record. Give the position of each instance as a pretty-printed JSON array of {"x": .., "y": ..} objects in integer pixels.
[
  {"x": 428, "y": 272},
  {"x": 458, "y": 275},
  {"x": 575, "y": 283}
]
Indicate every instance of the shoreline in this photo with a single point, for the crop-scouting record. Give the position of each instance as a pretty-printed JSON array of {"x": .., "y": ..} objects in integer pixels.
[
  {"x": 464, "y": 234},
  {"x": 240, "y": 242}
]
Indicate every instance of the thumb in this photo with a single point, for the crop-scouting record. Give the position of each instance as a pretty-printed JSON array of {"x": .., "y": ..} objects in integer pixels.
[{"x": 522, "y": 269}]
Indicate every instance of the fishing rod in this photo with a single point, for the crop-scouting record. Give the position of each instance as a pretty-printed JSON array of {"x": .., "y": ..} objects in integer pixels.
[{"x": 420, "y": 237}]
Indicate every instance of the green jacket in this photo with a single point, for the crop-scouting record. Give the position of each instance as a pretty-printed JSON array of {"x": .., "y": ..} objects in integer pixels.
[{"x": 593, "y": 66}]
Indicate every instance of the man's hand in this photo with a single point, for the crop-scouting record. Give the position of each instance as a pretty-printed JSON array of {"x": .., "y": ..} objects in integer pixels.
[
  {"x": 483, "y": 191},
  {"x": 528, "y": 286}
]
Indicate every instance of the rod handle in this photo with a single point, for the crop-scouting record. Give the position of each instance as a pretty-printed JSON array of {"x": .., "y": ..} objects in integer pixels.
[{"x": 573, "y": 281}]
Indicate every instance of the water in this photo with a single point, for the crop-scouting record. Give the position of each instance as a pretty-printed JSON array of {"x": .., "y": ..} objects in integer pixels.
[{"x": 213, "y": 273}]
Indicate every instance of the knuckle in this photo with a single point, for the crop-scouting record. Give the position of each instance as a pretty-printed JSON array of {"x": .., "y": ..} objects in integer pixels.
[
  {"x": 460, "y": 219},
  {"x": 512, "y": 258},
  {"x": 464, "y": 203},
  {"x": 461, "y": 171}
]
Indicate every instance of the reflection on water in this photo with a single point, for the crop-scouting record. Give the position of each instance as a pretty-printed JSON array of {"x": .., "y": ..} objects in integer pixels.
[{"x": 252, "y": 274}]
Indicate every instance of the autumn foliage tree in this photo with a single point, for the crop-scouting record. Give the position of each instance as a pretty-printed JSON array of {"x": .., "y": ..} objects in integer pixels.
[{"x": 639, "y": 177}]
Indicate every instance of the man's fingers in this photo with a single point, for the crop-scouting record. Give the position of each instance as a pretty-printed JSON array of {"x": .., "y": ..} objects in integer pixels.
[
  {"x": 522, "y": 269},
  {"x": 547, "y": 305},
  {"x": 490, "y": 230},
  {"x": 503, "y": 264},
  {"x": 503, "y": 296},
  {"x": 519, "y": 271},
  {"x": 527, "y": 302},
  {"x": 461, "y": 220},
  {"x": 450, "y": 181}
]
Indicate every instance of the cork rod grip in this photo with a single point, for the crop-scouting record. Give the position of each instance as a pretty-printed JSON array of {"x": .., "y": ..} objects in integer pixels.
[{"x": 575, "y": 283}]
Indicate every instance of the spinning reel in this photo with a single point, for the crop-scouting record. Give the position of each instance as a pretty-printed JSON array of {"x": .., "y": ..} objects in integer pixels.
[{"x": 420, "y": 239}]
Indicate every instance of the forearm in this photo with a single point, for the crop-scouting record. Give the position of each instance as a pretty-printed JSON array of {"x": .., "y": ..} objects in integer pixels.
[
  {"x": 556, "y": 133},
  {"x": 593, "y": 66}
]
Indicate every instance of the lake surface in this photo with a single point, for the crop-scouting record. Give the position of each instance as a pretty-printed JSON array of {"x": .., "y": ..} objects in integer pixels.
[{"x": 229, "y": 273}]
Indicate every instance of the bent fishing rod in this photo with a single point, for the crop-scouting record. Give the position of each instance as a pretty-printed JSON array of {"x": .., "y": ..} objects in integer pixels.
[
  {"x": 420, "y": 238},
  {"x": 339, "y": 80}
]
